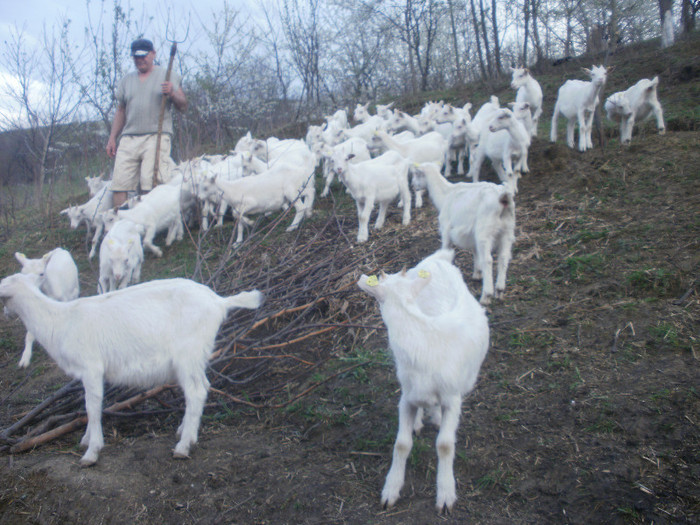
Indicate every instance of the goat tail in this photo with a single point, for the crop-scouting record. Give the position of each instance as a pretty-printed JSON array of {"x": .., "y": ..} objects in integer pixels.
[{"x": 249, "y": 300}]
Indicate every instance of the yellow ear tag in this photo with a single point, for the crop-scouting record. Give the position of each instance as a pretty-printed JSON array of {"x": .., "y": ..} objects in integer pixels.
[
  {"x": 423, "y": 274},
  {"x": 372, "y": 280}
]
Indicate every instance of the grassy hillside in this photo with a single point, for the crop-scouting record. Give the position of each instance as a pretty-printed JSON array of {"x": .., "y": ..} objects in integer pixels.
[{"x": 586, "y": 409}]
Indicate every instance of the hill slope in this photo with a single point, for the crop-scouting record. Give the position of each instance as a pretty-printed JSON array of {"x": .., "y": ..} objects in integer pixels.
[{"x": 586, "y": 410}]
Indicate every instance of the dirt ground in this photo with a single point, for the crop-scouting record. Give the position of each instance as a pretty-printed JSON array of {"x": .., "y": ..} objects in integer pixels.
[{"x": 586, "y": 410}]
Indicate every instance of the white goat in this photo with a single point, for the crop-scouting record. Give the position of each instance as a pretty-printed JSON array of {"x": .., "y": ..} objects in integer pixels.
[
  {"x": 504, "y": 140},
  {"x": 439, "y": 336},
  {"x": 356, "y": 145},
  {"x": 145, "y": 335},
  {"x": 382, "y": 180},
  {"x": 577, "y": 99},
  {"x": 385, "y": 110},
  {"x": 121, "y": 256},
  {"x": 364, "y": 130},
  {"x": 95, "y": 184},
  {"x": 478, "y": 217},
  {"x": 101, "y": 201},
  {"x": 278, "y": 188},
  {"x": 431, "y": 147},
  {"x": 529, "y": 91},
  {"x": 633, "y": 105},
  {"x": 339, "y": 119},
  {"x": 158, "y": 210},
  {"x": 402, "y": 121},
  {"x": 58, "y": 278}
]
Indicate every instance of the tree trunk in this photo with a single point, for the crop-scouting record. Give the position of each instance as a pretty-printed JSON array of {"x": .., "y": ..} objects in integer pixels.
[
  {"x": 496, "y": 40},
  {"x": 485, "y": 34},
  {"x": 665, "y": 15},
  {"x": 526, "y": 12},
  {"x": 407, "y": 28},
  {"x": 687, "y": 16},
  {"x": 482, "y": 66},
  {"x": 455, "y": 45},
  {"x": 534, "y": 5}
]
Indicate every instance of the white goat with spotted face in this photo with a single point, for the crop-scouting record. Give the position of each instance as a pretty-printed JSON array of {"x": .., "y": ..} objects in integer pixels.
[
  {"x": 633, "y": 105},
  {"x": 439, "y": 336}
]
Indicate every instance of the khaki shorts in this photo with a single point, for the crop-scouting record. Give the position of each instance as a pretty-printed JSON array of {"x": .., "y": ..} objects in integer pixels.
[{"x": 136, "y": 156}]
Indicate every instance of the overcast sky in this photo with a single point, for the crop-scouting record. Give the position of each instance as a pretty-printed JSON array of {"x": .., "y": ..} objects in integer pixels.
[{"x": 30, "y": 17}]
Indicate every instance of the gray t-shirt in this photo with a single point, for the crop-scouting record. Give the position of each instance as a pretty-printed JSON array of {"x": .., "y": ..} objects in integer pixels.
[{"x": 142, "y": 99}]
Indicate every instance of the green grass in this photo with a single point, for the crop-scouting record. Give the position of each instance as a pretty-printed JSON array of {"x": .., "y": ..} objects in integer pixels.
[
  {"x": 655, "y": 281},
  {"x": 585, "y": 266}
]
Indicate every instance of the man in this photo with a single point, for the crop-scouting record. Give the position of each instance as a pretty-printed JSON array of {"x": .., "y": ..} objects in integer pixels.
[{"x": 139, "y": 96}]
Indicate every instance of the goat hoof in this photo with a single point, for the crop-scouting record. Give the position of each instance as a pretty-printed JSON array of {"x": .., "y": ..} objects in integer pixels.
[
  {"x": 87, "y": 462},
  {"x": 180, "y": 455}
]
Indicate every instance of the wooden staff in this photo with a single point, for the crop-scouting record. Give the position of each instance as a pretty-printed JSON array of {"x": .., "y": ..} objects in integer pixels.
[{"x": 173, "y": 50}]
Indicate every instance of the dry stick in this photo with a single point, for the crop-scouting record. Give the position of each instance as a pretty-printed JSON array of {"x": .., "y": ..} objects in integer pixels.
[
  {"x": 295, "y": 398},
  {"x": 31, "y": 414},
  {"x": 30, "y": 443}
]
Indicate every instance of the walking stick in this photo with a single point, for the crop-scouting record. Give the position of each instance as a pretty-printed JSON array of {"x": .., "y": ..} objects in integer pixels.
[{"x": 173, "y": 50}]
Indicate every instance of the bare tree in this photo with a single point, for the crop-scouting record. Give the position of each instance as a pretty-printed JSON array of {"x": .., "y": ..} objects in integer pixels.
[
  {"x": 98, "y": 67},
  {"x": 301, "y": 26},
  {"x": 40, "y": 95},
  {"x": 689, "y": 9},
  {"x": 455, "y": 43}
]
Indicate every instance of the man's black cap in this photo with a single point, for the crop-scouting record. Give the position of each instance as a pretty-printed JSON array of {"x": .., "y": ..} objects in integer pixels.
[{"x": 141, "y": 47}]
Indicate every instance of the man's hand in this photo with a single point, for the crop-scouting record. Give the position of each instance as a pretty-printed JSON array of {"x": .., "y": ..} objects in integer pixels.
[
  {"x": 167, "y": 88},
  {"x": 111, "y": 147}
]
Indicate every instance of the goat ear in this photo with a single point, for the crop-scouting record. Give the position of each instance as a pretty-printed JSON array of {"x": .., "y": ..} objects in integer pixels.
[
  {"x": 610, "y": 69},
  {"x": 586, "y": 70},
  {"x": 21, "y": 258},
  {"x": 372, "y": 286},
  {"x": 423, "y": 280}
]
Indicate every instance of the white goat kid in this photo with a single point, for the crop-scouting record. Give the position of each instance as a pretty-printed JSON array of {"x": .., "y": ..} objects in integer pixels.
[
  {"x": 505, "y": 140},
  {"x": 121, "y": 256},
  {"x": 158, "y": 210},
  {"x": 58, "y": 279},
  {"x": 381, "y": 180},
  {"x": 478, "y": 217},
  {"x": 356, "y": 146},
  {"x": 101, "y": 201},
  {"x": 439, "y": 337},
  {"x": 577, "y": 101},
  {"x": 528, "y": 91},
  {"x": 633, "y": 105},
  {"x": 145, "y": 335},
  {"x": 95, "y": 184}
]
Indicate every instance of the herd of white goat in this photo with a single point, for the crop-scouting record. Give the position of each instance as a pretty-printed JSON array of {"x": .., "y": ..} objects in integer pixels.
[{"x": 164, "y": 330}]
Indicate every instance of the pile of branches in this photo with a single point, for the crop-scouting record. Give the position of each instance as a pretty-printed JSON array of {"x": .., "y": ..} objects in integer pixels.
[{"x": 263, "y": 358}]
